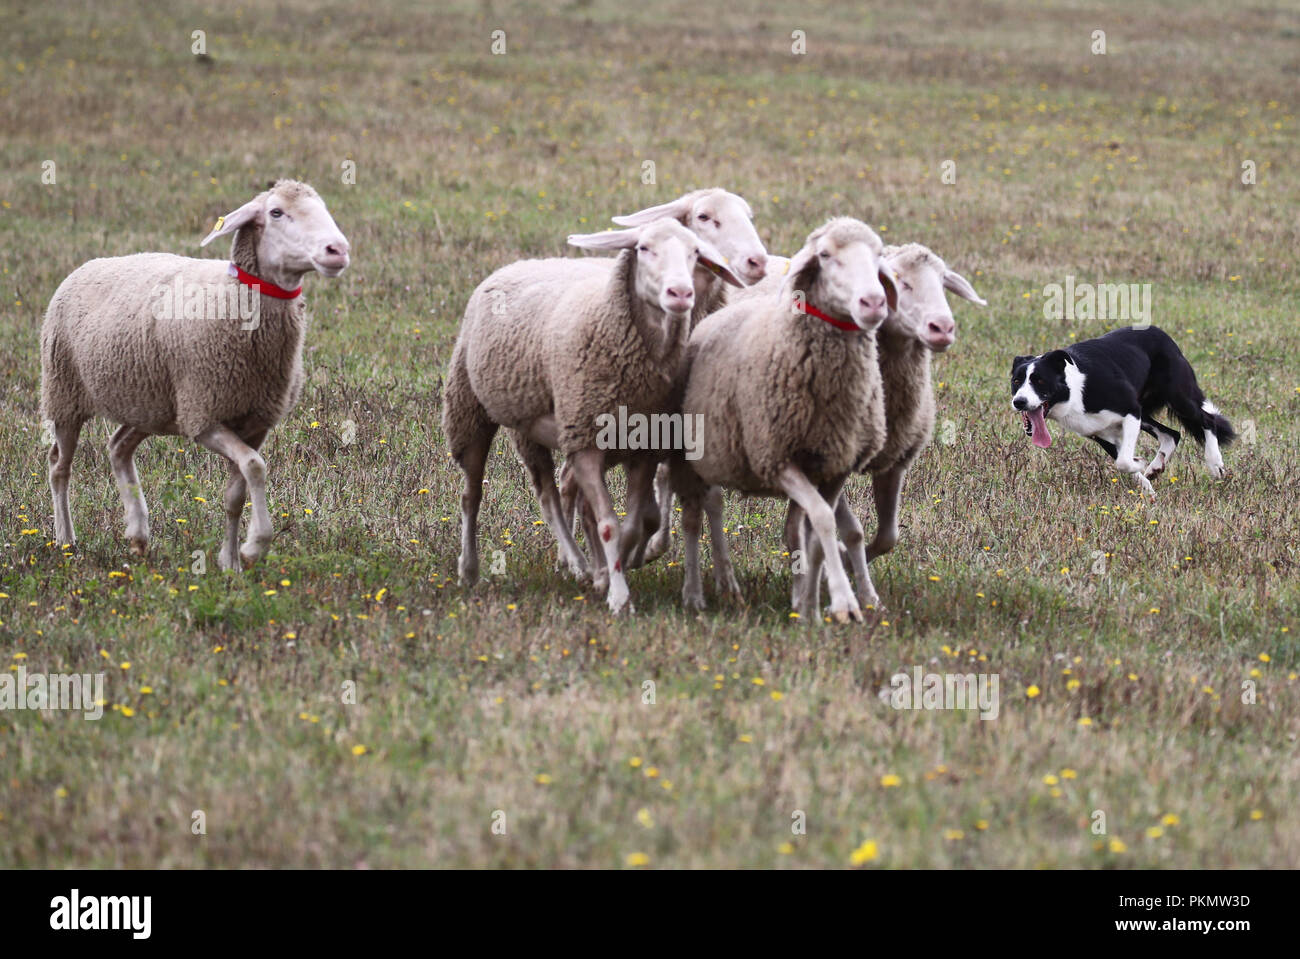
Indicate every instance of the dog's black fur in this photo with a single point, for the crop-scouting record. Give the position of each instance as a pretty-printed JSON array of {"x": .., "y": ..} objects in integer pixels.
[{"x": 1128, "y": 371}]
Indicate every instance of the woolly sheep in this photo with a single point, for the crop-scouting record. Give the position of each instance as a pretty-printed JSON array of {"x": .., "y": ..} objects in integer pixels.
[
  {"x": 725, "y": 220},
  {"x": 223, "y": 367},
  {"x": 789, "y": 388},
  {"x": 547, "y": 346},
  {"x": 921, "y": 326}
]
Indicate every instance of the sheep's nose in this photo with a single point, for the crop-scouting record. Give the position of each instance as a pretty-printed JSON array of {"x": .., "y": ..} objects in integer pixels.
[
  {"x": 1020, "y": 402},
  {"x": 756, "y": 266},
  {"x": 941, "y": 330},
  {"x": 873, "y": 302},
  {"x": 337, "y": 248},
  {"x": 681, "y": 292}
]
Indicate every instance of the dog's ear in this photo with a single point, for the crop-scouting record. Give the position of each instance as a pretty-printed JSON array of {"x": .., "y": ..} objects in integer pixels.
[
  {"x": 1019, "y": 361},
  {"x": 1056, "y": 359}
]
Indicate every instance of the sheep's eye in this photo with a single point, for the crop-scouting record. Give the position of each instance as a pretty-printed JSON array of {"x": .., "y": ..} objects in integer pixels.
[
  {"x": 824, "y": 254},
  {"x": 907, "y": 286},
  {"x": 643, "y": 248},
  {"x": 703, "y": 218},
  {"x": 277, "y": 213}
]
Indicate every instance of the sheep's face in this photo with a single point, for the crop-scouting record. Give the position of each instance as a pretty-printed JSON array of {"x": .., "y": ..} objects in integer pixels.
[
  {"x": 299, "y": 235},
  {"x": 666, "y": 257},
  {"x": 294, "y": 232},
  {"x": 722, "y": 218},
  {"x": 841, "y": 272},
  {"x": 923, "y": 310},
  {"x": 726, "y": 221}
]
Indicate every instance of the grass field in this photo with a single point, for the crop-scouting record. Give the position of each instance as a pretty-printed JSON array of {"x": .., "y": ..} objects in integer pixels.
[{"x": 1121, "y": 632}]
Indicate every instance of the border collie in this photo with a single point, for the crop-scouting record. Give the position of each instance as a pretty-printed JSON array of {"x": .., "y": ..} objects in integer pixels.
[{"x": 1108, "y": 390}]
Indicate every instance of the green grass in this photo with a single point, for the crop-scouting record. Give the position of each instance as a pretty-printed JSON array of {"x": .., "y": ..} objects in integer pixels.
[{"x": 523, "y": 695}]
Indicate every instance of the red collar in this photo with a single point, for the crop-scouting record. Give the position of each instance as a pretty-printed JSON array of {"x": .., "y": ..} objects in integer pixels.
[
  {"x": 263, "y": 286},
  {"x": 813, "y": 311}
]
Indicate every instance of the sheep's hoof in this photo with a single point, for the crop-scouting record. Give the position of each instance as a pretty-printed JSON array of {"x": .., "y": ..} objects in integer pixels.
[
  {"x": 139, "y": 546},
  {"x": 693, "y": 602},
  {"x": 871, "y": 601},
  {"x": 248, "y": 559},
  {"x": 657, "y": 546},
  {"x": 847, "y": 616},
  {"x": 727, "y": 585}
]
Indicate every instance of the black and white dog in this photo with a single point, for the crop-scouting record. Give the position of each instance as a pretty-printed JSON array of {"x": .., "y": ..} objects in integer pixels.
[{"x": 1108, "y": 390}]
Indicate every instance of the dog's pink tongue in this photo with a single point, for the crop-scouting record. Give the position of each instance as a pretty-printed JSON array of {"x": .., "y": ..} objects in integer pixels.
[{"x": 1039, "y": 425}]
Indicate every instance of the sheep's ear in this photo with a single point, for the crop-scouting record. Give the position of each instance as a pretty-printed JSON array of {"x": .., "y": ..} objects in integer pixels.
[
  {"x": 889, "y": 280},
  {"x": 248, "y": 213},
  {"x": 609, "y": 240},
  {"x": 679, "y": 209},
  {"x": 954, "y": 281},
  {"x": 716, "y": 263}
]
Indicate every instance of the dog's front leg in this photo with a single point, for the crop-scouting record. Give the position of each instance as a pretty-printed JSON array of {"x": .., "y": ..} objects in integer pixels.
[{"x": 1126, "y": 460}]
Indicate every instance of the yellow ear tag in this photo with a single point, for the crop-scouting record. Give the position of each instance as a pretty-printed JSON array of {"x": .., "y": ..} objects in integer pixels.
[
  {"x": 786, "y": 269},
  {"x": 220, "y": 222}
]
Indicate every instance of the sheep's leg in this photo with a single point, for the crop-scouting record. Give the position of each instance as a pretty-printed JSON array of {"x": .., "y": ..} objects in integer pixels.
[
  {"x": 886, "y": 490},
  {"x": 599, "y": 568},
  {"x": 473, "y": 462},
  {"x": 225, "y": 442},
  {"x": 692, "y": 588},
  {"x": 724, "y": 574},
  {"x": 844, "y": 606},
  {"x": 854, "y": 542},
  {"x": 569, "y": 502},
  {"x": 61, "y": 453},
  {"x": 540, "y": 464},
  {"x": 589, "y": 469},
  {"x": 236, "y": 493},
  {"x": 642, "y": 512},
  {"x": 794, "y": 545},
  {"x": 121, "y": 456},
  {"x": 809, "y": 600},
  {"x": 233, "y": 501},
  {"x": 662, "y": 539}
]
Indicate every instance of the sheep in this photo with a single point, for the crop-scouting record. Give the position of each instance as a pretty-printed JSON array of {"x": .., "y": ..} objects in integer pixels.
[
  {"x": 921, "y": 326},
  {"x": 725, "y": 220},
  {"x": 223, "y": 368},
  {"x": 789, "y": 387},
  {"x": 547, "y": 346}
]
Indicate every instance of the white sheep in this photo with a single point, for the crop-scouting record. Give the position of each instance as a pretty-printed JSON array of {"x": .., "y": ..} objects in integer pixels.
[
  {"x": 548, "y": 346},
  {"x": 725, "y": 220},
  {"x": 789, "y": 387},
  {"x": 921, "y": 326},
  {"x": 172, "y": 345}
]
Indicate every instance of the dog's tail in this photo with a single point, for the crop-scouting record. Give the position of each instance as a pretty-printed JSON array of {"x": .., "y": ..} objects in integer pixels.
[{"x": 1207, "y": 419}]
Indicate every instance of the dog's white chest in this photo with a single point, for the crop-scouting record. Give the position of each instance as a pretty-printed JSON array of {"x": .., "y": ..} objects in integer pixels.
[{"x": 1103, "y": 424}]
